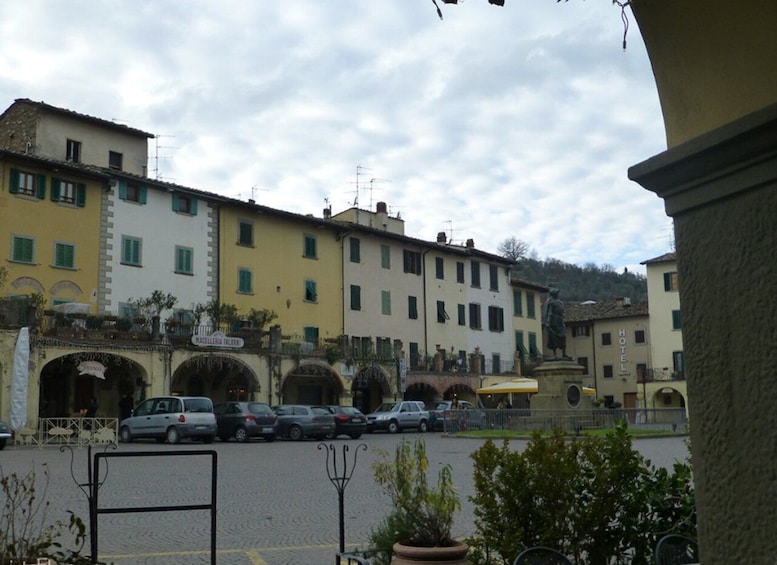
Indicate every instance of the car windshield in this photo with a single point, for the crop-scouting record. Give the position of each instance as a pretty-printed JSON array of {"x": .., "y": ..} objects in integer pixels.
[
  {"x": 386, "y": 407},
  {"x": 197, "y": 405},
  {"x": 439, "y": 405},
  {"x": 319, "y": 410}
]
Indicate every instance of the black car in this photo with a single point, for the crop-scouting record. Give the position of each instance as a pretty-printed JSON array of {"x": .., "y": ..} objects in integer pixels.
[
  {"x": 349, "y": 421},
  {"x": 244, "y": 420}
]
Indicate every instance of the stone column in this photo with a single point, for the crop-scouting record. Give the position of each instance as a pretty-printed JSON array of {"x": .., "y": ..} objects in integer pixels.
[{"x": 721, "y": 190}]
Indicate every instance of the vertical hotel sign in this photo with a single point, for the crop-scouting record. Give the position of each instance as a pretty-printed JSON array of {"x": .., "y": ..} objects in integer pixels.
[{"x": 622, "y": 345}]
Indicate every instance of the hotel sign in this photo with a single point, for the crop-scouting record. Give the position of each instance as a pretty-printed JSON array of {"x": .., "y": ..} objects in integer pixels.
[{"x": 217, "y": 339}]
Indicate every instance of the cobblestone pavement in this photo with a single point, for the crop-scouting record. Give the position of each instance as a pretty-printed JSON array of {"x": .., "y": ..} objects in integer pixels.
[{"x": 275, "y": 503}]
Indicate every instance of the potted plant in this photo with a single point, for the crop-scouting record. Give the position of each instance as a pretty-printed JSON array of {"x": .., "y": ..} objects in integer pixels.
[{"x": 418, "y": 528}]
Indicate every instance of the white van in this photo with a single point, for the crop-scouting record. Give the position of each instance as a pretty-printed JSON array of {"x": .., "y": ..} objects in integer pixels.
[{"x": 170, "y": 419}]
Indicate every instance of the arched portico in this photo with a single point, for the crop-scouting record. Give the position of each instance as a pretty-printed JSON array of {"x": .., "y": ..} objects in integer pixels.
[
  {"x": 219, "y": 376},
  {"x": 312, "y": 383},
  {"x": 370, "y": 385}
]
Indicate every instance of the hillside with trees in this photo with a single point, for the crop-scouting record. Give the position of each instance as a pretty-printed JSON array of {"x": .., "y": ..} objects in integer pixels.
[{"x": 577, "y": 284}]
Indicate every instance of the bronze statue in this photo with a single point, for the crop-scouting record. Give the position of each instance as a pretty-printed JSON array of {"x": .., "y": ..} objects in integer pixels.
[{"x": 554, "y": 322}]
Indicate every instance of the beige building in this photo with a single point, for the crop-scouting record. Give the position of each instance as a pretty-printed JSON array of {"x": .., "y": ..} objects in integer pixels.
[{"x": 610, "y": 340}]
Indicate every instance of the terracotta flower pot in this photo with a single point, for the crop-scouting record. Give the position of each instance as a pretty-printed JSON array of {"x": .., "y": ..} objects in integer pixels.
[{"x": 411, "y": 555}]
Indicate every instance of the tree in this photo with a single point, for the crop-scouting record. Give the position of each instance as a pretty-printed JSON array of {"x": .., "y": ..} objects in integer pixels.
[
  {"x": 221, "y": 313},
  {"x": 513, "y": 248},
  {"x": 260, "y": 318}
]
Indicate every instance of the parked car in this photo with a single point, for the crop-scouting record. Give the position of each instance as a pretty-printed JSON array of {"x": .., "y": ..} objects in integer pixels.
[
  {"x": 397, "y": 416},
  {"x": 244, "y": 420},
  {"x": 299, "y": 421},
  {"x": 171, "y": 418},
  {"x": 5, "y": 434},
  {"x": 349, "y": 421},
  {"x": 443, "y": 416}
]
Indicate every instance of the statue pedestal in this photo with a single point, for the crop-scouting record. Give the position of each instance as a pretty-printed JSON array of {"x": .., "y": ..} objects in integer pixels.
[{"x": 560, "y": 387}]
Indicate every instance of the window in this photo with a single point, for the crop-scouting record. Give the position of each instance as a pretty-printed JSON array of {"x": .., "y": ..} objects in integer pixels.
[
  {"x": 245, "y": 283},
  {"x": 184, "y": 260},
  {"x": 385, "y": 302},
  {"x": 641, "y": 372},
  {"x": 678, "y": 364},
  {"x": 355, "y": 250},
  {"x": 459, "y": 272},
  {"x": 23, "y": 249},
  {"x": 311, "y": 334},
  {"x": 184, "y": 204},
  {"x": 115, "y": 160},
  {"x": 356, "y": 297},
  {"x": 462, "y": 311},
  {"x": 493, "y": 277},
  {"x": 412, "y": 261},
  {"x": 670, "y": 281},
  {"x": 496, "y": 319},
  {"x": 474, "y": 316},
  {"x": 607, "y": 372},
  {"x": 385, "y": 256},
  {"x": 439, "y": 269},
  {"x": 581, "y": 331},
  {"x": 534, "y": 352},
  {"x": 442, "y": 315},
  {"x": 245, "y": 233},
  {"x": 639, "y": 336},
  {"x": 131, "y": 251},
  {"x": 27, "y": 184},
  {"x": 530, "y": 306},
  {"x": 496, "y": 363},
  {"x": 414, "y": 356},
  {"x": 383, "y": 347},
  {"x": 519, "y": 347},
  {"x": 309, "y": 247},
  {"x": 676, "y": 320},
  {"x": 412, "y": 307},
  {"x": 132, "y": 192},
  {"x": 517, "y": 303},
  {"x": 68, "y": 192},
  {"x": 311, "y": 291},
  {"x": 606, "y": 338},
  {"x": 583, "y": 362},
  {"x": 64, "y": 255},
  {"x": 73, "y": 151},
  {"x": 475, "y": 268}
]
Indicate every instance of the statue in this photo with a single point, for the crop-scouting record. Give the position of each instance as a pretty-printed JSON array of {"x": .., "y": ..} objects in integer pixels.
[{"x": 554, "y": 322}]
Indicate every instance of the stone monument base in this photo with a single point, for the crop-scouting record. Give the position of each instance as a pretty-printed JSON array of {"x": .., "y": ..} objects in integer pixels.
[{"x": 560, "y": 386}]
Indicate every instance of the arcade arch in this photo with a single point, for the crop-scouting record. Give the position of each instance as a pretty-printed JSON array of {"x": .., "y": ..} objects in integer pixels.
[
  {"x": 219, "y": 377},
  {"x": 312, "y": 383}
]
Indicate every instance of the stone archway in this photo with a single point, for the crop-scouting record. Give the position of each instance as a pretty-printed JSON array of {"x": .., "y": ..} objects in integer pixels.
[
  {"x": 218, "y": 376},
  {"x": 69, "y": 381},
  {"x": 311, "y": 383},
  {"x": 369, "y": 387}
]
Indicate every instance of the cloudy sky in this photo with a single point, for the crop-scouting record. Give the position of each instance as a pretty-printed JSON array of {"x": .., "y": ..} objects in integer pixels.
[{"x": 492, "y": 122}]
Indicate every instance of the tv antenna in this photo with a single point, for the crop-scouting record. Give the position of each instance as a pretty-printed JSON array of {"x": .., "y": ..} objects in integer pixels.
[
  {"x": 254, "y": 189},
  {"x": 157, "y": 147},
  {"x": 359, "y": 174},
  {"x": 372, "y": 181},
  {"x": 450, "y": 231}
]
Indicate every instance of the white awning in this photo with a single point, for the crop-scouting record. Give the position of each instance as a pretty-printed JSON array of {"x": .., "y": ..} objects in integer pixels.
[{"x": 516, "y": 386}]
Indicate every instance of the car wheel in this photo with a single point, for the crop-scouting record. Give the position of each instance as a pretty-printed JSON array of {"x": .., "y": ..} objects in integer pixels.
[
  {"x": 393, "y": 426},
  {"x": 423, "y": 427},
  {"x": 269, "y": 438},
  {"x": 241, "y": 434},
  {"x": 208, "y": 439},
  {"x": 355, "y": 436},
  {"x": 124, "y": 435},
  {"x": 295, "y": 433},
  {"x": 172, "y": 435}
]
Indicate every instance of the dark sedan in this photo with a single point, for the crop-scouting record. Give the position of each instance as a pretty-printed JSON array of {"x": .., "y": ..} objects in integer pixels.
[
  {"x": 244, "y": 420},
  {"x": 349, "y": 421},
  {"x": 299, "y": 421}
]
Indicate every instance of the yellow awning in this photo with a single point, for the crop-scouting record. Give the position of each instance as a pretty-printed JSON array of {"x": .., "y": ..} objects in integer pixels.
[{"x": 514, "y": 386}]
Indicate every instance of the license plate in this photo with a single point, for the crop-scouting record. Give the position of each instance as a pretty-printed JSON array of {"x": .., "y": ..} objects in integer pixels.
[
  {"x": 200, "y": 427},
  {"x": 267, "y": 430}
]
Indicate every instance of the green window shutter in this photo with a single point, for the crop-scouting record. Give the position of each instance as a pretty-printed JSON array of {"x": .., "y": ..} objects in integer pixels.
[
  {"x": 55, "y": 188},
  {"x": 80, "y": 194},
  {"x": 385, "y": 302},
  {"x": 356, "y": 297},
  {"x": 193, "y": 207},
  {"x": 40, "y": 189},
  {"x": 244, "y": 280},
  {"x": 311, "y": 293},
  {"x": 64, "y": 255},
  {"x": 122, "y": 189},
  {"x": 667, "y": 282},
  {"x": 23, "y": 249},
  {"x": 412, "y": 307},
  {"x": 175, "y": 202},
  {"x": 14, "y": 187},
  {"x": 143, "y": 194},
  {"x": 676, "y": 320}
]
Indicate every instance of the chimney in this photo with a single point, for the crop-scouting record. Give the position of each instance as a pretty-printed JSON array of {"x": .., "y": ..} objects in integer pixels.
[
  {"x": 381, "y": 208},
  {"x": 622, "y": 301},
  {"x": 327, "y": 213},
  {"x": 470, "y": 243},
  {"x": 441, "y": 237}
]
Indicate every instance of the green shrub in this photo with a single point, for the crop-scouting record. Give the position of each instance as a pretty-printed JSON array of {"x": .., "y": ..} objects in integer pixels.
[{"x": 595, "y": 499}]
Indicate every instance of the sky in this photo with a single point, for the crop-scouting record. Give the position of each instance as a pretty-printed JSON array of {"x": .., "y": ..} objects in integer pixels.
[{"x": 493, "y": 122}]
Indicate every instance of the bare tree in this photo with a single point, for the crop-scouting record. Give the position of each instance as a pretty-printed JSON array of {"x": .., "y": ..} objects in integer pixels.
[{"x": 513, "y": 248}]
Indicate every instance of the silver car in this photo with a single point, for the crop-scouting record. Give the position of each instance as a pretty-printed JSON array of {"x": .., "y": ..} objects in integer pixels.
[{"x": 170, "y": 419}]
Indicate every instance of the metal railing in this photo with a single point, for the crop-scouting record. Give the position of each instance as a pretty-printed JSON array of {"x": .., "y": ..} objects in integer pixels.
[
  {"x": 659, "y": 420},
  {"x": 70, "y": 431}
]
